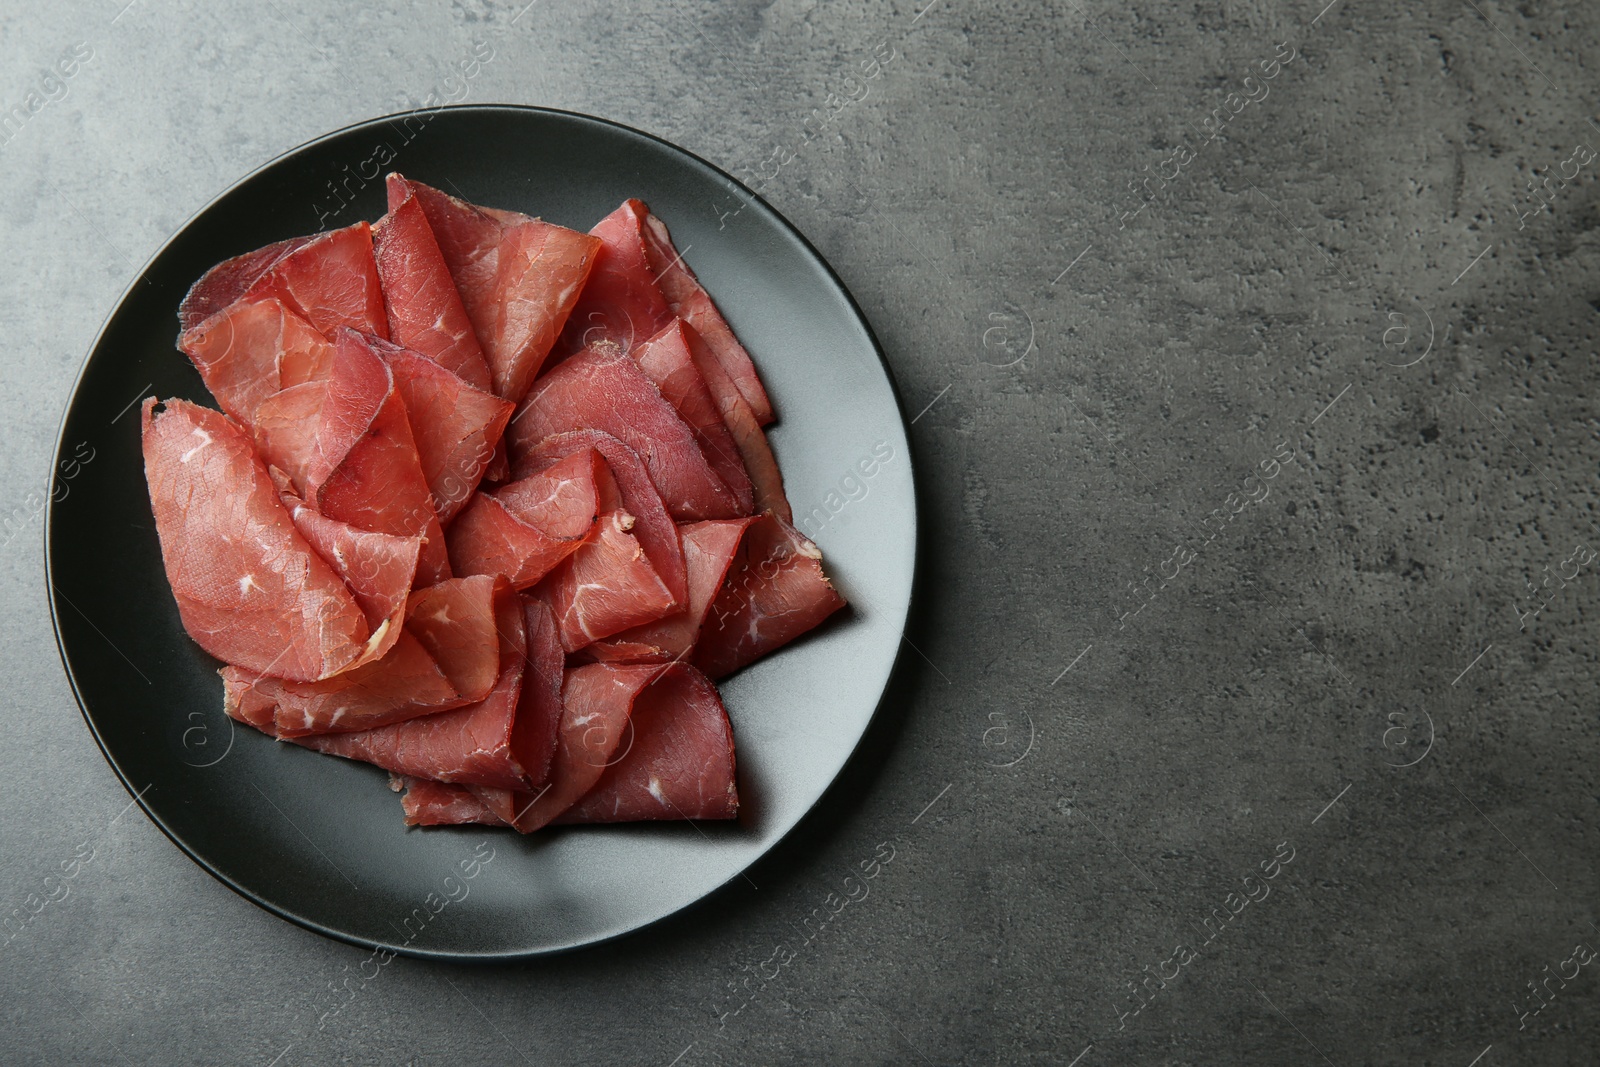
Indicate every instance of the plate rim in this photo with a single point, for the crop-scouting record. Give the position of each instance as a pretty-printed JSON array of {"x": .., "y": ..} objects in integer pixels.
[{"x": 412, "y": 951}]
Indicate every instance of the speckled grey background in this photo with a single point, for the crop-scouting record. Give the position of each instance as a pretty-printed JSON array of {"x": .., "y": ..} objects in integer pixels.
[{"x": 1259, "y": 481}]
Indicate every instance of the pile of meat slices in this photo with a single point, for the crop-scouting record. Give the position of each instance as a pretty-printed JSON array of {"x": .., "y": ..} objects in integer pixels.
[{"x": 489, "y": 505}]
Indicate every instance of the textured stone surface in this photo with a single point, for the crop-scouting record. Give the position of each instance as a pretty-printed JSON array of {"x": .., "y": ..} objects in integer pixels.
[{"x": 1093, "y": 384}]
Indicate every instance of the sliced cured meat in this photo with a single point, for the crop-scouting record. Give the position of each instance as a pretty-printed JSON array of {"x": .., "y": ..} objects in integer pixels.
[
  {"x": 347, "y": 444},
  {"x": 709, "y": 549},
  {"x": 376, "y": 567},
  {"x": 252, "y": 348},
  {"x": 606, "y": 586},
  {"x": 636, "y": 494},
  {"x": 456, "y": 426},
  {"x": 250, "y": 589},
  {"x": 775, "y": 591},
  {"x": 690, "y": 302},
  {"x": 404, "y": 684},
  {"x": 622, "y": 304},
  {"x": 603, "y": 390},
  {"x": 424, "y": 310},
  {"x": 487, "y": 743},
  {"x": 229, "y": 280},
  {"x": 526, "y": 528},
  {"x": 539, "y": 711},
  {"x": 667, "y": 362},
  {"x": 597, "y": 700},
  {"x": 678, "y": 762},
  {"x": 330, "y": 280},
  {"x": 457, "y": 622},
  {"x": 518, "y": 278},
  {"x": 765, "y": 478},
  {"x": 429, "y": 803}
]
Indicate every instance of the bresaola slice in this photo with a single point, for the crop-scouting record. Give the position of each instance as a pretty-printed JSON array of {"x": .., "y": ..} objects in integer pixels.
[
  {"x": 504, "y": 741},
  {"x": 456, "y": 426},
  {"x": 774, "y": 592},
  {"x": 424, "y": 310},
  {"x": 518, "y": 277},
  {"x": 251, "y": 349},
  {"x": 667, "y": 361},
  {"x": 600, "y": 389},
  {"x": 250, "y": 588},
  {"x": 766, "y": 481},
  {"x": 330, "y": 280},
  {"x": 622, "y": 304},
  {"x": 690, "y": 302},
  {"x": 524, "y": 529},
  {"x": 677, "y": 761},
  {"x": 605, "y": 587},
  {"x": 637, "y": 743},
  {"x": 447, "y": 655},
  {"x": 709, "y": 549},
  {"x": 377, "y": 568}
]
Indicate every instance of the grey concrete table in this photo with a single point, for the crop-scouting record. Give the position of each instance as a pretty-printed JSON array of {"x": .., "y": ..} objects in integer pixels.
[{"x": 1251, "y": 353}]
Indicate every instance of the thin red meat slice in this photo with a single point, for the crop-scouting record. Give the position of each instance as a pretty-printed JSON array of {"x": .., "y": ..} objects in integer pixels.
[
  {"x": 774, "y": 592},
  {"x": 377, "y": 568},
  {"x": 603, "y": 390},
  {"x": 252, "y": 348},
  {"x": 456, "y": 620},
  {"x": 347, "y": 444},
  {"x": 487, "y": 743},
  {"x": 447, "y": 655},
  {"x": 709, "y": 549},
  {"x": 765, "y": 478},
  {"x": 525, "y": 528},
  {"x": 667, "y": 362},
  {"x": 518, "y": 277},
  {"x": 677, "y": 763},
  {"x": 622, "y": 304},
  {"x": 690, "y": 302},
  {"x": 605, "y": 587},
  {"x": 425, "y": 312},
  {"x": 429, "y": 803},
  {"x": 404, "y": 684},
  {"x": 229, "y": 280},
  {"x": 597, "y": 700},
  {"x": 250, "y": 589},
  {"x": 330, "y": 280},
  {"x": 456, "y": 426},
  {"x": 636, "y": 494}
]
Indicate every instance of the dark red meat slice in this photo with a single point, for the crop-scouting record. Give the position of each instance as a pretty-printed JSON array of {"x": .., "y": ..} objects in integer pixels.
[
  {"x": 774, "y": 592},
  {"x": 360, "y": 465},
  {"x": 539, "y": 712},
  {"x": 330, "y": 280},
  {"x": 518, "y": 278},
  {"x": 250, "y": 589},
  {"x": 525, "y": 528},
  {"x": 765, "y": 478},
  {"x": 456, "y": 426},
  {"x": 622, "y": 304},
  {"x": 666, "y": 361},
  {"x": 597, "y": 700},
  {"x": 252, "y": 348},
  {"x": 604, "y": 390},
  {"x": 405, "y": 683},
  {"x": 709, "y": 549},
  {"x": 425, "y": 313},
  {"x": 376, "y": 567},
  {"x": 605, "y": 587},
  {"x": 637, "y": 495},
  {"x": 429, "y": 803},
  {"x": 677, "y": 761},
  {"x": 456, "y": 620},
  {"x": 482, "y": 744},
  {"x": 690, "y": 302},
  {"x": 229, "y": 280}
]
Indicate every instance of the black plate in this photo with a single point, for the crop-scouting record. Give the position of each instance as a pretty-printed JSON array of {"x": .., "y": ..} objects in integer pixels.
[{"x": 319, "y": 840}]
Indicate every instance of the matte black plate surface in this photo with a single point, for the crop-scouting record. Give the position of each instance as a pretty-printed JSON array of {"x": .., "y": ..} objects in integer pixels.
[{"x": 320, "y": 840}]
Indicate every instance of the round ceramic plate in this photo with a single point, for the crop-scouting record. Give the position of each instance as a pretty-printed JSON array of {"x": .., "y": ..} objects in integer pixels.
[{"x": 320, "y": 840}]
